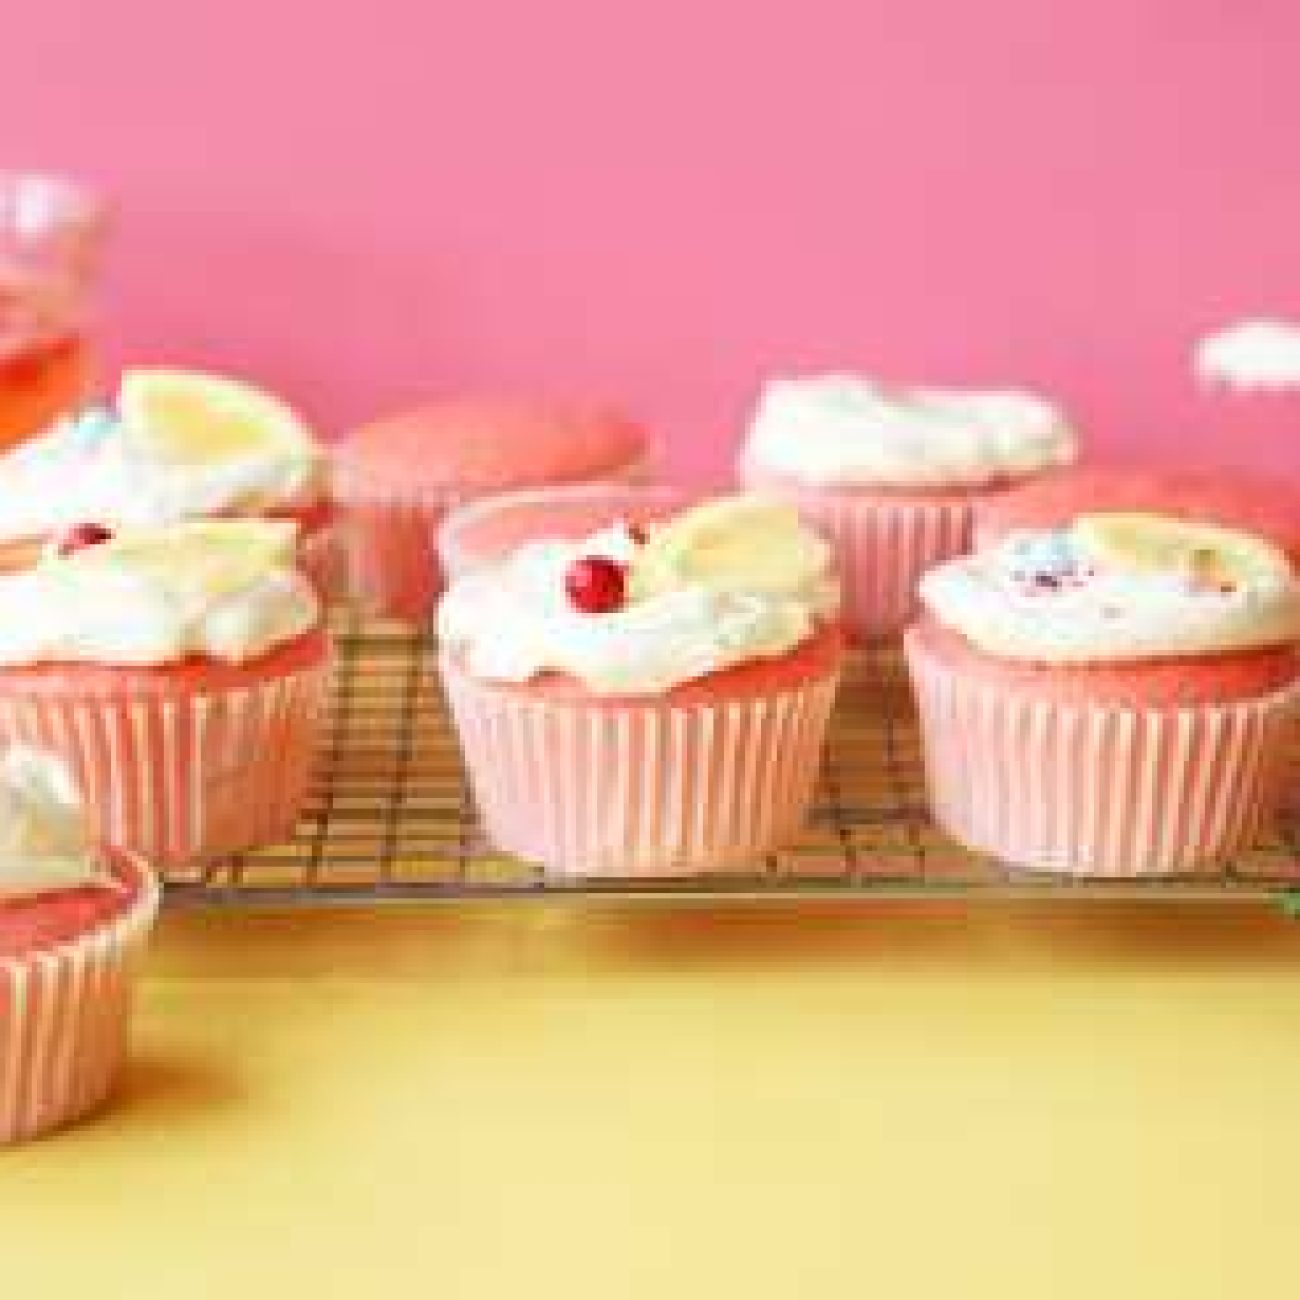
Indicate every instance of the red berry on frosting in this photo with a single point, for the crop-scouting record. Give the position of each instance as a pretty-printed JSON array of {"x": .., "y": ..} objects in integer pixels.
[
  {"x": 595, "y": 584},
  {"x": 78, "y": 537}
]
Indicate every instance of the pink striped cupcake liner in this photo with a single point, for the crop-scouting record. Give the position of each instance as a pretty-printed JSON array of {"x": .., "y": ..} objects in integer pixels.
[
  {"x": 322, "y": 557},
  {"x": 882, "y": 547},
  {"x": 392, "y": 564},
  {"x": 64, "y": 1017},
  {"x": 640, "y": 788},
  {"x": 1099, "y": 790},
  {"x": 182, "y": 778}
]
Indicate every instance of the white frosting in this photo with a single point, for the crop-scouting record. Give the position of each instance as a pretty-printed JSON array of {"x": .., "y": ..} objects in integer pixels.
[
  {"x": 845, "y": 431},
  {"x": 98, "y": 607},
  {"x": 1044, "y": 598},
  {"x": 512, "y": 621},
  {"x": 44, "y": 838},
  {"x": 95, "y": 468},
  {"x": 1251, "y": 354}
]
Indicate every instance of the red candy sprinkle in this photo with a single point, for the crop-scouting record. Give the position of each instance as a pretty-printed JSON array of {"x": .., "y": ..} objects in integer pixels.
[
  {"x": 596, "y": 585},
  {"x": 78, "y": 537}
]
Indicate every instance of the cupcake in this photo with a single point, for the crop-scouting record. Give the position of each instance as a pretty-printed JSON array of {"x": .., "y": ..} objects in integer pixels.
[
  {"x": 1109, "y": 697},
  {"x": 1250, "y": 371},
  {"x": 176, "y": 446},
  {"x": 650, "y": 697},
  {"x": 73, "y": 920},
  {"x": 892, "y": 475},
  {"x": 181, "y": 672},
  {"x": 397, "y": 477}
]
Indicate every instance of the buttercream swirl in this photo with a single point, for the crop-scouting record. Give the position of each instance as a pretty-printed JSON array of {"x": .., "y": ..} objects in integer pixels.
[
  {"x": 841, "y": 430},
  {"x": 1050, "y": 597},
  {"x": 1252, "y": 354},
  {"x": 94, "y": 466},
  {"x": 222, "y": 590},
  {"x": 512, "y": 621},
  {"x": 44, "y": 838}
]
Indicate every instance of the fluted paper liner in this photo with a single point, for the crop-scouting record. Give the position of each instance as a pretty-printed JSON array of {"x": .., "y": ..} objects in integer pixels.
[
  {"x": 1099, "y": 789},
  {"x": 323, "y": 558},
  {"x": 180, "y": 778},
  {"x": 883, "y": 547},
  {"x": 64, "y": 1015},
  {"x": 640, "y": 788}
]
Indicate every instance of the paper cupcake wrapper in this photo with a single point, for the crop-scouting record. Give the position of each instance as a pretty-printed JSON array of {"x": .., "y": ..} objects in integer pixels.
[
  {"x": 64, "y": 1016},
  {"x": 323, "y": 558},
  {"x": 1098, "y": 790},
  {"x": 640, "y": 788},
  {"x": 393, "y": 568},
  {"x": 883, "y": 548},
  {"x": 184, "y": 778}
]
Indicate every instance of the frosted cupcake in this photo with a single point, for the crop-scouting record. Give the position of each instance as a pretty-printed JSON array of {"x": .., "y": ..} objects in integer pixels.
[
  {"x": 650, "y": 698},
  {"x": 891, "y": 475},
  {"x": 180, "y": 672},
  {"x": 73, "y": 920},
  {"x": 1250, "y": 371},
  {"x": 399, "y": 476},
  {"x": 177, "y": 446},
  {"x": 1109, "y": 698}
]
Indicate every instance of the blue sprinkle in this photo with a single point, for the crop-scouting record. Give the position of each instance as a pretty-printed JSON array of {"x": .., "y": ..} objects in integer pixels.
[
  {"x": 1048, "y": 553},
  {"x": 94, "y": 424}
]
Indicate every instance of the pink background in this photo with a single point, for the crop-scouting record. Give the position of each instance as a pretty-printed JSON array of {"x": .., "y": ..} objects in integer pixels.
[{"x": 362, "y": 203}]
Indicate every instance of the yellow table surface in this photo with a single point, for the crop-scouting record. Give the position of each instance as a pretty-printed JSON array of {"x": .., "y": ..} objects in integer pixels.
[{"x": 886, "y": 1100}]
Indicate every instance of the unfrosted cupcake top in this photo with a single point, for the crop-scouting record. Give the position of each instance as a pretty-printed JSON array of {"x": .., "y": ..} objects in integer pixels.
[
  {"x": 225, "y": 590},
  {"x": 471, "y": 445},
  {"x": 1252, "y": 354},
  {"x": 177, "y": 446},
  {"x": 1117, "y": 588},
  {"x": 851, "y": 431},
  {"x": 45, "y": 842},
  {"x": 634, "y": 610}
]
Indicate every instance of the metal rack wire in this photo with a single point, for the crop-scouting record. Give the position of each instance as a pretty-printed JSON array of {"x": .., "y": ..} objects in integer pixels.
[{"x": 391, "y": 820}]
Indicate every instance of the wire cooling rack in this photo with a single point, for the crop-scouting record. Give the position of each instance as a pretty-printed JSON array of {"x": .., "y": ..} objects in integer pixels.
[{"x": 390, "y": 818}]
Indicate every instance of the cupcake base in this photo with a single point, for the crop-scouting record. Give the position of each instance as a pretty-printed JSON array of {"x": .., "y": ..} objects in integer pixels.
[
  {"x": 392, "y": 565},
  {"x": 712, "y": 778},
  {"x": 185, "y": 763},
  {"x": 64, "y": 1013},
  {"x": 1055, "y": 782}
]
